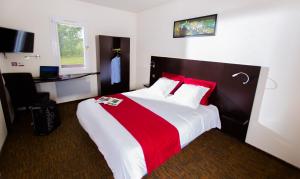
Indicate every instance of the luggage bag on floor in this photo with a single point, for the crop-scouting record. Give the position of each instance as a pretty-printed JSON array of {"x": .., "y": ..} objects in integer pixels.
[{"x": 45, "y": 117}]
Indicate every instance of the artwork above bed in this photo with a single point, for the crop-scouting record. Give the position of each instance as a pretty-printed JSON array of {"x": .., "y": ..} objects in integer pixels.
[
  {"x": 233, "y": 98},
  {"x": 199, "y": 26}
]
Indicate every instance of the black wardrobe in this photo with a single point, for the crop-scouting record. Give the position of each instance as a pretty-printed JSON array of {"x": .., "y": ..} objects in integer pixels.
[{"x": 108, "y": 47}]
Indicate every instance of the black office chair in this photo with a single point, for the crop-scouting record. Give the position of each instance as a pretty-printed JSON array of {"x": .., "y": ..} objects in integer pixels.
[{"x": 22, "y": 90}]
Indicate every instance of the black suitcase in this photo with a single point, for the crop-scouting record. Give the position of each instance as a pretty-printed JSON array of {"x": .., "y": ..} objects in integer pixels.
[{"x": 45, "y": 117}]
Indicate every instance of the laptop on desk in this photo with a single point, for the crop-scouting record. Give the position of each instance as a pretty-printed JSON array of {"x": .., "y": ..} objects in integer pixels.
[{"x": 49, "y": 72}]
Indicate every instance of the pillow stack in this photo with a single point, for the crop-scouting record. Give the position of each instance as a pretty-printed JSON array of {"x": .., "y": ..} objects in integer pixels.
[
  {"x": 189, "y": 95},
  {"x": 208, "y": 84},
  {"x": 174, "y": 77},
  {"x": 183, "y": 91}
]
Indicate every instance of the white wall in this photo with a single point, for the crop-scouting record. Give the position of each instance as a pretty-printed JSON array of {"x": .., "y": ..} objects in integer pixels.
[
  {"x": 3, "y": 130},
  {"x": 254, "y": 32},
  {"x": 35, "y": 16}
]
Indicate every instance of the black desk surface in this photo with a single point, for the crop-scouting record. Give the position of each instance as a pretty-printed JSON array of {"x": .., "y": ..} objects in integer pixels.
[{"x": 63, "y": 77}]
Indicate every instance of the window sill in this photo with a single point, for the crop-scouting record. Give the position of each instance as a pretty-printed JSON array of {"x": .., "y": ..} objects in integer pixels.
[
  {"x": 73, "y": 70},
  {"x": 72, "y": 66}
]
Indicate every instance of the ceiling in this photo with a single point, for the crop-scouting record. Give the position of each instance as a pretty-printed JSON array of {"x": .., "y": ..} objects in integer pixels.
[{"x": 129, "y": 5}]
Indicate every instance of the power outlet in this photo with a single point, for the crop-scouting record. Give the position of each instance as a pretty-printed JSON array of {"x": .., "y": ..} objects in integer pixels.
[
  {"x": 17, "y": 64},
  {"x": 20, "y": 64},
  {"x": 14, "y": 64}
]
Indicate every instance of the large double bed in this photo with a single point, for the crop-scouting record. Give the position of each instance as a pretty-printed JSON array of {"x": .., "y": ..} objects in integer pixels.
[{"x": 122, "y": 152}]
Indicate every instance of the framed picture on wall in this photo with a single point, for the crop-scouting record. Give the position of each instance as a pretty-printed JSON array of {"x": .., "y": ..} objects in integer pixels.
[{"x": 199, "y": 26}]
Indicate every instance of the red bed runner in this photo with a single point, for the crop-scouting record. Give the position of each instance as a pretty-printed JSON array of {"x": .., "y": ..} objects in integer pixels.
[{"x": 158, "y": 138}]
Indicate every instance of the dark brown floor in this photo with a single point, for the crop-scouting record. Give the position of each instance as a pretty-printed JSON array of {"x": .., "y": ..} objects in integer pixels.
[{"x": 68, "y": 152}]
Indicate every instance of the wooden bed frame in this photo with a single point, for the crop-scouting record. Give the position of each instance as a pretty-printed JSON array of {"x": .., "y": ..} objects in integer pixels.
[{"x": 233, "y": 99}]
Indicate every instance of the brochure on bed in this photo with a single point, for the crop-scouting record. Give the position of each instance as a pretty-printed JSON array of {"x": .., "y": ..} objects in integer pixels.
[{"x": 109, "y": 101}]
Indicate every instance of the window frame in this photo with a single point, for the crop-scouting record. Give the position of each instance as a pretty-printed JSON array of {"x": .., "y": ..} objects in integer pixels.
[{"x": 69, "y": 69}]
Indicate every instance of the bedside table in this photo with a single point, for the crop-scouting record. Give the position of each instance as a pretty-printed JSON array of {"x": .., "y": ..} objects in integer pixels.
[
  {"x": 147, "y": 85},
  {"x": 235, "y": 127},
  {"x": 144, "y": 85}
]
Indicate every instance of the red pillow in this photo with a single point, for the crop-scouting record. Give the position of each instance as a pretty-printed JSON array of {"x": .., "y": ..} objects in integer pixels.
[
  {"x": 174, "y": 77},
  {"x": 209, "y": 84}
]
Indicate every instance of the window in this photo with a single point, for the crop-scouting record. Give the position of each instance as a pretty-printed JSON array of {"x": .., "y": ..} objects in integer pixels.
[{"x": 70, "y": 44}]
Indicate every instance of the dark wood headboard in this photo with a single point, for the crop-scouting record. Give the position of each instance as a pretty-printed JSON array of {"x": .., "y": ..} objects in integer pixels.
[{"x": 231, "y": 96}]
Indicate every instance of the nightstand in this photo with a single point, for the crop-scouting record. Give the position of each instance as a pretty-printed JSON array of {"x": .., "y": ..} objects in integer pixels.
[
  {"x": 235, "y": 127},
  {"x": 144, "y": 85},
  {"x": 147, "y": 85}
]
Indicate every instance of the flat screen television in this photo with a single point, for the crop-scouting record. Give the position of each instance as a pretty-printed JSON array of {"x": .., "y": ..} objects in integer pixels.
[{"x": 13, "y": 41}]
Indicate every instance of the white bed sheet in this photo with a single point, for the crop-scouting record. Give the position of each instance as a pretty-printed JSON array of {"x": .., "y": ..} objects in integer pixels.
[{"x": 121, "y": 151}]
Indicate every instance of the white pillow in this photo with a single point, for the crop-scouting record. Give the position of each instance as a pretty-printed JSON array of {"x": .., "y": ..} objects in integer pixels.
[
  {"x": 188, "y": 95},
  {"x": 163, "y": 86}
]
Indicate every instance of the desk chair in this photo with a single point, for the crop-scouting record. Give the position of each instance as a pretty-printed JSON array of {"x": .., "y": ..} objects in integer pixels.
[{"x": 22, "y": 90}]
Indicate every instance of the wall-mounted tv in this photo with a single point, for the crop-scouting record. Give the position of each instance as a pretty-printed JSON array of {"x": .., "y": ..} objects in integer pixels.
[{"x": 13, "y": 41}]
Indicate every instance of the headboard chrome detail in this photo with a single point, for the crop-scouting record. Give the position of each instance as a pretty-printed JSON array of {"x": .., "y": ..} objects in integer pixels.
[{"x": 242, "y": 73}]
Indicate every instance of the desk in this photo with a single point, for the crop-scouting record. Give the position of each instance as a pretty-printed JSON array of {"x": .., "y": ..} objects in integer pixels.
[{"x": 63, "y": 77}]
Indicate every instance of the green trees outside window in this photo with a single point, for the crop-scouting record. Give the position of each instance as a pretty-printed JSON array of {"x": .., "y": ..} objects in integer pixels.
[{"x": 71, "y": 45}]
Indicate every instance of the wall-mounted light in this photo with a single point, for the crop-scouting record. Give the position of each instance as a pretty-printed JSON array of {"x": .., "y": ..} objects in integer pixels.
[
  {"x": 152, "y": 64},
  {"x": 242, "y": 73}
]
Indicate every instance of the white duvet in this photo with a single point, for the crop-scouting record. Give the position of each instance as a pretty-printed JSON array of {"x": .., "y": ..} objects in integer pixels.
[{"x": 122, "y": 152}]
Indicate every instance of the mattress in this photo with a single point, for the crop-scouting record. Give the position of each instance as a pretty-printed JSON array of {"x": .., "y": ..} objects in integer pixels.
[{"x": 120, "y": 149}]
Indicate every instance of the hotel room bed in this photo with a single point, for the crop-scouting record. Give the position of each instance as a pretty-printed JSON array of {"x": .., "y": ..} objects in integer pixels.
[{"x": 121, "y": 150}]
